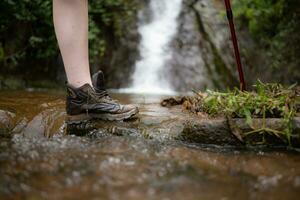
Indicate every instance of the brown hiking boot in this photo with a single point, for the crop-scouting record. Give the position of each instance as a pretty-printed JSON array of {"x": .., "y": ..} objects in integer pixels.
[{"x": 86, "y": 103}]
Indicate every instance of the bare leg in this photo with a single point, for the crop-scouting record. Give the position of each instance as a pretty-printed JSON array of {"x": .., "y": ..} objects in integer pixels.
[{"x": 71, "y": 28}]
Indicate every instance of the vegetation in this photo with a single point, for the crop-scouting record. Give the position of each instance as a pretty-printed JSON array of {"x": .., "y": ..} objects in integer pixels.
[
  {"x": 268, "y": 100},
  {"x": 275, "y": 26},
  {"x": 28, "y": 46},
  {"x": 27, "y": 35}
]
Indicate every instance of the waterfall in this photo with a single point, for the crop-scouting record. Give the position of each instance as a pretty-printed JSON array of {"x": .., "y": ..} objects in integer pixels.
[{"x": 156, "y": 35}]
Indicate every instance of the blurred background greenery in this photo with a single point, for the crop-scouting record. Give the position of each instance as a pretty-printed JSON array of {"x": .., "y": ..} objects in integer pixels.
[
  {"x": 275, "y": 26},
  {"x": 29, "y": 56},
  {"x": 28, "y": 47}
]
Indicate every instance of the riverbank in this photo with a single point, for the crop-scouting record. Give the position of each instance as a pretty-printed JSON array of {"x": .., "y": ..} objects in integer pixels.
[{"x": 42, "y": 114}]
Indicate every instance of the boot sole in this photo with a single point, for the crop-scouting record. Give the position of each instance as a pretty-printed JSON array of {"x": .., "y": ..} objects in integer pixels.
[{"x": 73, "y": 119}]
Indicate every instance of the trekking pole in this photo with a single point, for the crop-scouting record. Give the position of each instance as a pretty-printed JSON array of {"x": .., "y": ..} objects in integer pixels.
[{"x": 235, "y": 45}]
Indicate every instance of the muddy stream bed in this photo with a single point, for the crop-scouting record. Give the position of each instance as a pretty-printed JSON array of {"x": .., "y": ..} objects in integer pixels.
[{"x": 43, "y": 158}]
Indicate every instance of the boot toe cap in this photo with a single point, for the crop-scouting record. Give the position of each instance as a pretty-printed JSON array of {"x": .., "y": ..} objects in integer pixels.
[{"x": 130, "y": 107}]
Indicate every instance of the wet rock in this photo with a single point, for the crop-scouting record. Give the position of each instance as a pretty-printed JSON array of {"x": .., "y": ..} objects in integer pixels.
[
  {"x": 271, "y": 123},
  {"x": 45, "y": 124},
  {"x": 179, "y": 125},
  {"x": 35, "y": 128},
  {"x": 6, "y": 117},
  {"x": 208, "y": 132},
  {"x": 20, "y": 126},
  {"x": 173, "y": 101},
  {"x": 218, "y": 131},
  {"x": 173, "y": 123},
  {"x": 296, "y": 124},
  {"x": 154, "y": 122},
  {"x": 6, "y": 122}
]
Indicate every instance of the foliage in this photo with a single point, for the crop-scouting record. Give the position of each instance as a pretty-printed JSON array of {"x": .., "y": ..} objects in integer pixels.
[
  {"x": 261, "y": 16},
  {"x": 269, "y": 100},
  {"x": 108, "y": 18},
  {"x": 275, "y": 26},
  {"x": 27, "y": 23},
  {"x": 26, "y": 28}
]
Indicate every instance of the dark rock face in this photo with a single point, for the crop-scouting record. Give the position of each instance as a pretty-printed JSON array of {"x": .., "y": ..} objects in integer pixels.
[
  {"x": 202, "y": 53},
  {"x": 119, "y": 59}
]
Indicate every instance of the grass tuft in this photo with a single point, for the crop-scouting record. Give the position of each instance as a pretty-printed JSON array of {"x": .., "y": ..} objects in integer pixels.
[{"x": 266, "y": 101}]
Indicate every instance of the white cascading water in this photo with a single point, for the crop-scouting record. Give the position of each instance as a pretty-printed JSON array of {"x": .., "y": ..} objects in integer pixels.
[{"x": 154, "y": 48}]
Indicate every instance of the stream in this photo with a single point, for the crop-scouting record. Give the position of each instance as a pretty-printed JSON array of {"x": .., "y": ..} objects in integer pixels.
[
  {"x": 39, "y": 159},
  {"x": 181, "y": 48}
]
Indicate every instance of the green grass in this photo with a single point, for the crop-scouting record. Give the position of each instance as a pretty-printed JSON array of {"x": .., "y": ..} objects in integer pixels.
[{"x": 266, "y": 101}]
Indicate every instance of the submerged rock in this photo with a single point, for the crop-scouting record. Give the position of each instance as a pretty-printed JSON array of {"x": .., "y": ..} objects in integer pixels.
[{"x": 6, "y": 122}]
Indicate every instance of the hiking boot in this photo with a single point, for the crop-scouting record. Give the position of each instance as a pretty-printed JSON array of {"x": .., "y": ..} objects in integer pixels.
[
  {"x": 98, "y": 81},
  {"x": 85, "y": 103}
]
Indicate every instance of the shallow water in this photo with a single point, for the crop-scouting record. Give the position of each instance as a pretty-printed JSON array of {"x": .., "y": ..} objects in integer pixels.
[{"x": 38, "y": 160}]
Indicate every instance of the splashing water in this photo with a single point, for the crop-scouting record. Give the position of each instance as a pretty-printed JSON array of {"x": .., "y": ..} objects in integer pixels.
[{"x": 154, "y": 48}]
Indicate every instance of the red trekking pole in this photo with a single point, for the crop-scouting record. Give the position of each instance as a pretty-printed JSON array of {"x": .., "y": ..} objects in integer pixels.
[{"x": 235, "y": 45}]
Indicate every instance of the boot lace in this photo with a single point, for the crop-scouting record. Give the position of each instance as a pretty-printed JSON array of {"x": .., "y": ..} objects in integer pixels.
[{"x": 99, "y": 95}]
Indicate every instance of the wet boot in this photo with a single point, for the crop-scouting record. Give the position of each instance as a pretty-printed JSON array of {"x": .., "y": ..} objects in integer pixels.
[{"x": 86, "y": 103}]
